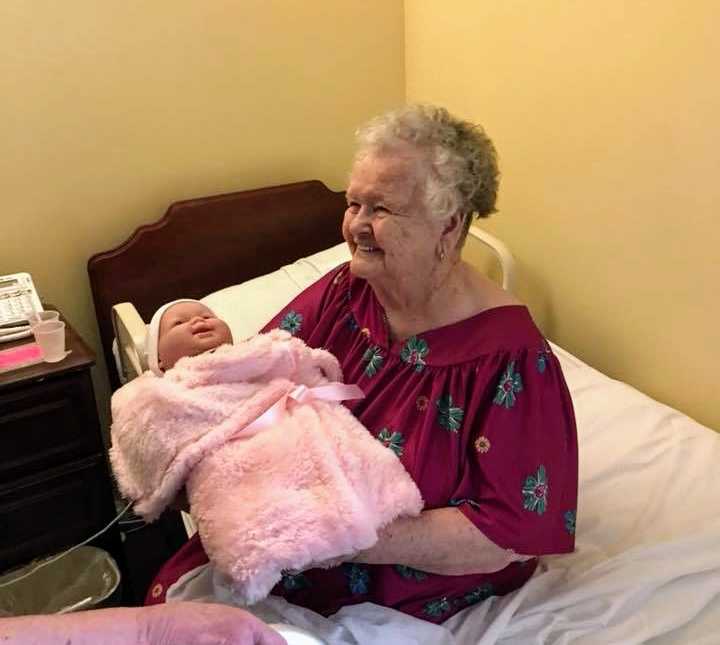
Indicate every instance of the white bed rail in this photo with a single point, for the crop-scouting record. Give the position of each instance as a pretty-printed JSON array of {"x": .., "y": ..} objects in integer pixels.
[
  {"x": 501, "y": 251},
  {"x": 129, "y": 345}
]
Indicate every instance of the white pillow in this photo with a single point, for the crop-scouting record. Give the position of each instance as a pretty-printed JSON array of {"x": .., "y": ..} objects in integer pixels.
[{"x": 248, "y": 306}]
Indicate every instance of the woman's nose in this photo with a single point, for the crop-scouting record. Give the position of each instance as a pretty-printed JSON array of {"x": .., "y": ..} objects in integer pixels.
[{"x": 361, "y": 219}]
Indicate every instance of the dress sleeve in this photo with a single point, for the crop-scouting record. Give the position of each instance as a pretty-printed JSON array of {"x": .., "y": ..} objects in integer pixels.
[
  {"x": 320, "y": 300},
  {"x": 518, "y": 484}
]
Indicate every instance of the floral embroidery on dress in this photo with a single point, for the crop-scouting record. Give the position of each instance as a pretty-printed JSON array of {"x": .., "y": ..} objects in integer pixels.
[
  {"x": 414, "y": 352},
  {"x": 543, "y": 357},
  {"x": 295, "y": 582},
  {"x": 365, "y": 332},
  {"x": 351, "y": 322},
  {"x": 482, "y": 444},
  {"x": 391, "y": 439},
  {"x": 510, "y": 384},
  {"x": 483, "y": 592},
  {"x": 358, "y": 578},
  {"x": 374, "y": 359},
  {"x": 541, "y": 362},
  {"x": 422, "y": 402},
  {"x": 436, "y": 608},
  {"x": 409, "y": 573},
  {"x": 292, "y": 322},
  {"x": 535, "y": 491},
  {"x": 458, "y": 502},
  {"x": 449, "y": 417},
  {"x": 569, "y": 517}
]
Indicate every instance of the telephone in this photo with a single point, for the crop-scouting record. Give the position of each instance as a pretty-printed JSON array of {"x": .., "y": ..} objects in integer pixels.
[{"x": 19, "y": 300}]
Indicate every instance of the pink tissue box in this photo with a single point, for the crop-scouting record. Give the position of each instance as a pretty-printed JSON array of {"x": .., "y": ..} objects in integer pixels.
[{"x": 20, "y": 356}]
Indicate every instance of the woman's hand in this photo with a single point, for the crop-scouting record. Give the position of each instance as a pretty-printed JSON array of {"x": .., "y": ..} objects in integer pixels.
[
  {"x": 179, "y": 623},
  {"x": 182, "y": 623}
]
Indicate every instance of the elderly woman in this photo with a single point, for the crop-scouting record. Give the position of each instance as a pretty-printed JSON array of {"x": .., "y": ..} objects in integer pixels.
[{"x": 459, "y": 382}]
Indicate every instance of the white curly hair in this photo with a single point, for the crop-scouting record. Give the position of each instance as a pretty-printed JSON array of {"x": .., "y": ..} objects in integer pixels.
[{"x": 462, "y": 171}]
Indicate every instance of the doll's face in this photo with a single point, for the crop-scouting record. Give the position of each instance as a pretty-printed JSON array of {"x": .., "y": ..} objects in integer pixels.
[{"x": 188, "y": 329}]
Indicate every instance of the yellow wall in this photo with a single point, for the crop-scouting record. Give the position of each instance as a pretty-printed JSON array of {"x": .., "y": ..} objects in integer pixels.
[
  {"x": 112, "y": 110},
  {"x": 605, "y": 115}
]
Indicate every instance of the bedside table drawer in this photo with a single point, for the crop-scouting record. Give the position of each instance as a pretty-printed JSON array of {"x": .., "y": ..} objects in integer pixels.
[
  {"x": 47, "y": 515},
  {"x": 47, "y": 423}
]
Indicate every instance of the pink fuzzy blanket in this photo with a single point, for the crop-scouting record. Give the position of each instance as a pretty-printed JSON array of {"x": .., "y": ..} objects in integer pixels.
[{"x": 304, "y": 484}]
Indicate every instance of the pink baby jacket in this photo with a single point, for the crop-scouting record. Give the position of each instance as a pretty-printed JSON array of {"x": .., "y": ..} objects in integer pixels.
[{"x": 305, "y": 484}]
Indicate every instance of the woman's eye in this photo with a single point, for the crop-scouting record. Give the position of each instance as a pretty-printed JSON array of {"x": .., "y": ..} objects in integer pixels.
[
  {"x": 381, "y": 209},
  {"x": 353, "y": 207}
]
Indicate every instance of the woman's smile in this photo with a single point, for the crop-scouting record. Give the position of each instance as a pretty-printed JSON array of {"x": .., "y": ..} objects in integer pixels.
[{"x": 368, "y": 248}]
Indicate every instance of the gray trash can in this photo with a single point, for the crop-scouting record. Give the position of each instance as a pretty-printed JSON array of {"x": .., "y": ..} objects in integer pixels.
[{"x": 86, "y": 578}]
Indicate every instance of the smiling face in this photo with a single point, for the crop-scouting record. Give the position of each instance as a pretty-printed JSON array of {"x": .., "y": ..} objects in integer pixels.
[
  {"x": 391, "y": 236},
  {"x": 188, "y": 329}
]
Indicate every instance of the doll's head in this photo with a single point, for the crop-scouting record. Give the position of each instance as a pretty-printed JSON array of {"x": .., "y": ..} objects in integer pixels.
[{"x": 183, "y": 328}]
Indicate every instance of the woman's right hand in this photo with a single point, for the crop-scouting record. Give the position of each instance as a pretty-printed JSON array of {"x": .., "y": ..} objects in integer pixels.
[
  {"x": 182, "y": 623},
  {"x": 175, "y": 623}
]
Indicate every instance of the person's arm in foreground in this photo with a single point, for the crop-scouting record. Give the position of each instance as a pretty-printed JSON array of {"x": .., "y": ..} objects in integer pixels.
[
  {"x": 177, "y": 623},
  {"x": 440, "y": 541}
]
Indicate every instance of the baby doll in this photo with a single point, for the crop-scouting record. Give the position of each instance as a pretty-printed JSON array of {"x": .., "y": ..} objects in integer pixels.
[{"x": 278, "y": 473}]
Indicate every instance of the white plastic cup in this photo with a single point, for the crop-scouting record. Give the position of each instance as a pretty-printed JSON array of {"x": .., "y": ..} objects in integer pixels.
[
  {"x": 44, "y": 316},
  {"x": 50, "y": 336}
]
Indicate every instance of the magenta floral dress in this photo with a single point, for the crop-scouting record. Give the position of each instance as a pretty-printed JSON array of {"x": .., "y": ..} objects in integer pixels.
[{"x": 479, "y": 414}]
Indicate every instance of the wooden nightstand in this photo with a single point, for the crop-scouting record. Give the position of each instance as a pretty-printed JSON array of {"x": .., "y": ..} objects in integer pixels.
[{"x": 55, "y": 486}]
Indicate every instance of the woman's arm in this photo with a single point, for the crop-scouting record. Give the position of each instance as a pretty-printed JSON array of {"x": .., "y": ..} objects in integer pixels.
[
  {"x": 109, "y": 626},
  {"x": 169, "y": 624},
  {"x": 440, "y": 541}
]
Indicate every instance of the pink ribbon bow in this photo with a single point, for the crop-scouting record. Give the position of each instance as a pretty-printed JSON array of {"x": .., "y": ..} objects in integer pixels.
[{"x": 302, "y": 394}]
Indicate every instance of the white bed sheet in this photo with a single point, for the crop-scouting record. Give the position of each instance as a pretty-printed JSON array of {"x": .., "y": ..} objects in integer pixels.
[{"x": 647, "y": 564}]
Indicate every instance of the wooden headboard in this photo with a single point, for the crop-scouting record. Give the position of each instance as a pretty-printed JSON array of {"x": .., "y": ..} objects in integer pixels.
[{"x": 202, "y": 245}]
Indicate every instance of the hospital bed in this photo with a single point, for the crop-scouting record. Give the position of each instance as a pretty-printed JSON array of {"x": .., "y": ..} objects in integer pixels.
[{"x": 647, "y": 564}]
